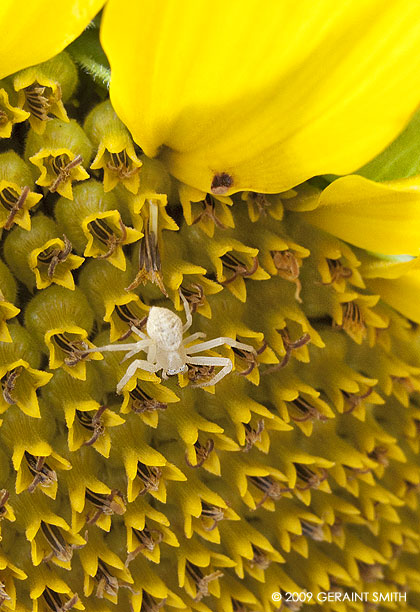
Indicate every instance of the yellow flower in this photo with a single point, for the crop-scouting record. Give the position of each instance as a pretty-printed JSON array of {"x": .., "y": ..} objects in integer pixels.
[
  {"x": 43, "y": 89},
  {"x": 9, "y": 115},
  {"x": 53, "y": 263},
  {"x": 267, "y": 110},
  {"x": 115, "y": 149},
  {"x": 351, "y": 206},
  {"x": 106, "y": 234},
  {"x": 53, "y": 30},
  {"x": 298, "y": 470}
]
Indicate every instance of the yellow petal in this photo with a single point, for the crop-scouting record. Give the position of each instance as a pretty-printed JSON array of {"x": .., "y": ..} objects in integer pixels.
[
  {"x": 262, "y": 95},
  {"x": 401, "y": 293},
  {"x": 33, "y": 31},
  {"x": 381, "y": 217}
]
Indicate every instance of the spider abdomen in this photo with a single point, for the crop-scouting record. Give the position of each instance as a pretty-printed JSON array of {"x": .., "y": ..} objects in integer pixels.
[{"x": 164, "y": 327}]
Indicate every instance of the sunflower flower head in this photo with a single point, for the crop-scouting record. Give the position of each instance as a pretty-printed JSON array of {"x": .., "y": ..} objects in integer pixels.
[{"x": 209, "y": 314}]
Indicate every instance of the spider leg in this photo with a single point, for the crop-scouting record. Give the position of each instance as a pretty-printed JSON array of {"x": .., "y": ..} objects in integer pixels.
[
  {"x": 137, "y": 347},
  {"x": 132, "y": 369},
  {"x": 213, "y": 361},
  {"x": 193, "y": 337},
  {"x": 188, "y": 314},
  {"x": 118, "y": 347},
  {"x": 210, "y": 344},
  {"x": 151, "y": 354},
  {"x": 138, "y": 332}
]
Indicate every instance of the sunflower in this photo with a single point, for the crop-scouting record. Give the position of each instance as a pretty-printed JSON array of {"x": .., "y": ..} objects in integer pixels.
[{"x": 250, "y": 172}]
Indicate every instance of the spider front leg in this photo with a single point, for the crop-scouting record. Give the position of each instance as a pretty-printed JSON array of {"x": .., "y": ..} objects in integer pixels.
[
  {"x": 193, "y": 337},
  {"x": 138, "y": 332},
  {"x": 133, "y": 347},
  {"x": 132, "y": 369},
  {"x": 210, "y": 344},
  {"x": 188, "y": 314},
  {"x": 212, "y": 361}
]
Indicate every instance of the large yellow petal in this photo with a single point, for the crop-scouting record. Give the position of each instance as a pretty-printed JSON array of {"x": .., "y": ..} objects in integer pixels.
[
  {"x": 401, "y": 293},
  {"x": 381, "y": 217},
  {"x": 265, "y": 94},
  {"x": 34, "y": 31}
]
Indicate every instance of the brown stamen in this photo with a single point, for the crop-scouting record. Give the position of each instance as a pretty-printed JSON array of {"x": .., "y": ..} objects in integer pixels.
[
  {"x": 143, "y": 402},
  {"x": 52, "y": 257},
  {"x": 149, "y": 603},
  {"x": 63, "y": 169},
  {"x": 288, "y": 267},
  {"x": 148, "y": 538},
  {"x": 260, "y": 558},
  {"x": 194, "y": 296},
  {"x": 101, "y": 230},
  {"x": 127, "y": 315},
  {"x": 55, "y": 601},
  {"x": 3, "y": 594},
  {"x": 289, "y": 347},
  {"x": 122, "y": 165},
  {"x": 13, "y": 202},
  {"x": 337, "y": 271},
  {"x": 380, "y": 454},
  {"x": 202, "y": 453},
  {"x": 41, "y": 471},
  {"x": 61, "y": 550},
  {"x": 269, "y": 487},
  {"x": 353, "y": 322},
  {"x": 238, "y": 268},
  {"x": 221, "y": 183},
  {"x": 150, "y": 268},
  {"x": 150, "y": 475},
  {"x": 249, "y": 358},
  {"x": 198, "y": 374},
  {"x": 215, "y": 513},
  {"x": 357, "y": 471},
  {"x": 201, "y": 581},
  {"x": 311, "y": 479},
  {"x": 93, "y": 424},
  {"x": 312, "y": 530},
  {"x": 354, "y": 399},
  {"x": 9, "y": 384},
  {"x": 74, "y": 349},
  {"x": 370, "y": 572},
  {"x": 37, "y": 103},
  {"x": 252, "y": 435},
  {"x": 107, "y": 583},
  {"x": 309, "y": 412},
  {"x": 105, "y": 504},
  {"x": 261, "y": 201},
  {"x": 209, "y": 212}
]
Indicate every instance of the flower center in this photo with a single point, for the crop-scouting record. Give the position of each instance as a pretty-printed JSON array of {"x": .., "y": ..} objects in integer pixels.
[
  {"x": 102, "y": 232},
  {"x": 62, "y": 167},
  {"x": 92, "y": 423},
  {"x": 202, "y": 453},
  {"x": 122, "y": 165},
  {"x": 150, "y": 267},
  {"x": 41, "y": 471},
  {"x": 150, "y": 476},
  {"x": 36, "y": 102},
  {"x": 13, "y": 202},
  {"x": 53, "y": 256},
  {"x": 143, "y": 402},
  {"x": 238, "y": 267}
]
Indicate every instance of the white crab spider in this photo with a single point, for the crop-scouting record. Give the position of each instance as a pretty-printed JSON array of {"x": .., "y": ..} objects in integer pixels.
[{"x": 167, "y": 349}]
